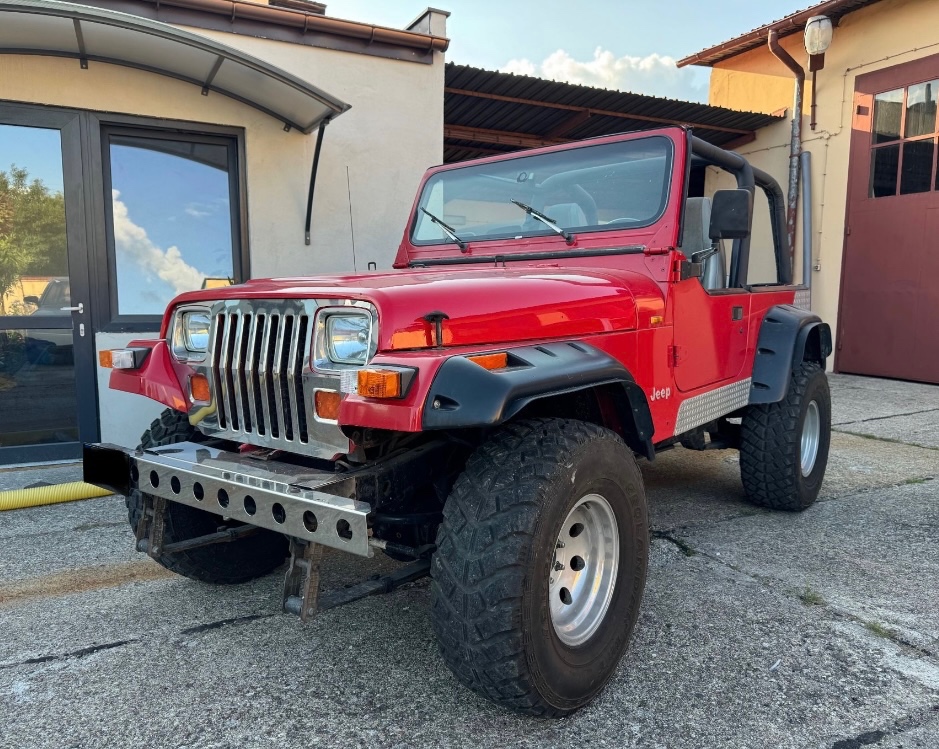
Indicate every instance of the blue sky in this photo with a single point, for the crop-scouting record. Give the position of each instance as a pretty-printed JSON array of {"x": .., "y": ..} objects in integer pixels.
[
  {"x": 36, "y": 149},
  {"x": 172, "y": 226},
  {"x": 560, "y": 39}
]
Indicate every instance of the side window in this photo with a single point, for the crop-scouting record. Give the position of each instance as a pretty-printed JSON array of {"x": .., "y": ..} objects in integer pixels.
[
  {"x": 903, "y": 145},
  {"x": 172, "y": 218}
]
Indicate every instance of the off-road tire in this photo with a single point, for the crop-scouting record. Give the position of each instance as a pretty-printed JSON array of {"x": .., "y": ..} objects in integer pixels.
[
  {"x": 227, "y": 563},
  {"x": 495, "y": 549},
  {"x": 770, "y": 444}
]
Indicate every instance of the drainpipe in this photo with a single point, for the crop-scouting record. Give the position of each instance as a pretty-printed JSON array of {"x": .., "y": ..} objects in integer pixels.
[
  {"x": 807, "y": 223},
  {"x": 795, "y": 148}
]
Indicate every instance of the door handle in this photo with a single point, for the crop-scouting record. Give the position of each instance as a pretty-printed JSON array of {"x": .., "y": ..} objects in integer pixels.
[{"x": 79, "y": 309}]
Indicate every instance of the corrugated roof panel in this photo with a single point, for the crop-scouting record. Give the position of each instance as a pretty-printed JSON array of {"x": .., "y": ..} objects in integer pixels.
[{"x": 535, "y": 107}]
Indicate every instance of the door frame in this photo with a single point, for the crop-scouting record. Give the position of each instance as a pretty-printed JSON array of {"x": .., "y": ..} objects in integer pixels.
[
  {"x": 76, "y": 188},
  {"x": 868, "y": 85},
  {"x": 83, "y": 164}
]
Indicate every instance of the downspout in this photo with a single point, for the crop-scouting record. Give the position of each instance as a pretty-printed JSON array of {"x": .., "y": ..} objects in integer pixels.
[
  {"x": 795, "y": 148},
  {"x": 807, "y": 224}
]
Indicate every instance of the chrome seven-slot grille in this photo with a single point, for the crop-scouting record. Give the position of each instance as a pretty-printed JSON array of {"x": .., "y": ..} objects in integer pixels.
[{"x": 257, "y": 362}]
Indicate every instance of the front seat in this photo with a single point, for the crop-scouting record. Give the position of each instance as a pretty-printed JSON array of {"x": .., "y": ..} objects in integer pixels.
[
  {"x": 694, "y": 238},
  {"x": 566, "y": 215}
]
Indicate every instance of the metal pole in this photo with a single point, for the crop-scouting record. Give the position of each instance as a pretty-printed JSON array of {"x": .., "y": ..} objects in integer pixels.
[
  {"x": 316, "y": 164},
  {"x": 806, "y": 159}
]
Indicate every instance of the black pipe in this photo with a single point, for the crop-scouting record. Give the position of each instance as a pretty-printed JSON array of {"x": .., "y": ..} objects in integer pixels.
[
  {"x": 744, "y": 172},
  {"x": 777, "y": 210},
  {"x": 316, "y": 165}
]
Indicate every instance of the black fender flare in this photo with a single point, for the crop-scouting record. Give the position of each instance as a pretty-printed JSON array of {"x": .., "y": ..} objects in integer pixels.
[
  {"x": 465, "y": 395},
  {"x": 788, "y": 337}
]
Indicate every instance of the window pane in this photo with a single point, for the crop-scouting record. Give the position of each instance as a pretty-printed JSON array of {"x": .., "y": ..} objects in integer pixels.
[
  {"x": 917, "y": 166},
  {"x": 887, "y": 109},
  {"x": 884, "y": 163},
  {"x": 37, "y": 387},
  {"x": 32, "y": 222},
  {"x": 171, "y": 220},
  {"x": 921, "y": 109}
]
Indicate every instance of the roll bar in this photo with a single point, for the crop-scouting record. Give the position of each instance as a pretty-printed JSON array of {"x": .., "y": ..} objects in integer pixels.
[{"x": 749, "y": 178}]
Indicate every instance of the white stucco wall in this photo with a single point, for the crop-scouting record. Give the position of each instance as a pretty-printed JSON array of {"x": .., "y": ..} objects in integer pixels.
[{"x": 372, "y": 160}]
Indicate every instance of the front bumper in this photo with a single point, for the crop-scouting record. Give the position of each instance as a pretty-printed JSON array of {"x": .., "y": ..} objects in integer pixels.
[{"x": 296, "y": 501}]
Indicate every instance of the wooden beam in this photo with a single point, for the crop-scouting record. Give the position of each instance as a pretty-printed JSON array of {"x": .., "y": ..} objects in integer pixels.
[
  {"x": 592, "y": 110},
  {"x": 500, "y": 137},
  {"x": 737, "y": 142},
  {"x": 571, "y": 123}
]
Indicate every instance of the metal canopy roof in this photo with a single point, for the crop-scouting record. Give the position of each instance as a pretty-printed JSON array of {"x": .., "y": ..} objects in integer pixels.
[
  {"x": 486, "y": 112},
  {"x": 64, "y": 29}
]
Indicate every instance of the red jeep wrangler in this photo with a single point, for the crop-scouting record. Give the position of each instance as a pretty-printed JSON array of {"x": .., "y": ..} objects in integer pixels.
[{"x": 478, "y": 410}]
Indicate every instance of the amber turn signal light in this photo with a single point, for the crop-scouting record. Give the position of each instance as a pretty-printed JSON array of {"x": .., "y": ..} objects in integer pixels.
[
  {"x": 326, "y": 403},
  {"x": 379, "y": 383},
  {"x": 491, "y": 361},
  {"x": 199, "y": 387},
  {"x": 105, "y": 360}
]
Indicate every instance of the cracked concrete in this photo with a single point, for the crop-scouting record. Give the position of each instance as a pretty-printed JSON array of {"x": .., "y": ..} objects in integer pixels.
[{"x": 758, "y": 629}]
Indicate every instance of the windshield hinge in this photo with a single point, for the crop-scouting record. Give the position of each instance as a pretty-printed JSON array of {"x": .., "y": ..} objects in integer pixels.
[{"x": 656, "y": 250}]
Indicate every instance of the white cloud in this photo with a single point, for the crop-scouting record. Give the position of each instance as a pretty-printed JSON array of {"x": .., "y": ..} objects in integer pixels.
[
  {"x": 168, "y": 265},
  {"x": 195, "y": 212},
  {"x": 654, "y": 74}
]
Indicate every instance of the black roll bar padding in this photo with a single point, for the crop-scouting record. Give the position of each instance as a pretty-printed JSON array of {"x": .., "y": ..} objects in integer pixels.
[
  {"x": 313, "y": 170},
  {"x": 740, "y": 167},
  {"x": 777, "y": 208}
]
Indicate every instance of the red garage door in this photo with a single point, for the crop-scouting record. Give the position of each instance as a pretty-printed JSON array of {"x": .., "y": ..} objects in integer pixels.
[{"x": 889, "y": 318}]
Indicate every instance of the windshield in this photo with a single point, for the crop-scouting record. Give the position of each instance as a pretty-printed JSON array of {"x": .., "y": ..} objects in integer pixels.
[{"x": 619, "y": 185}]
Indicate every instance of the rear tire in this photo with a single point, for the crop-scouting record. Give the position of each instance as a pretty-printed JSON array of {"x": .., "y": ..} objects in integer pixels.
[
  {"x": 784, "y": 446},
  {"x": 511, "y": 624},
  {"x": 226, "y": 563}
]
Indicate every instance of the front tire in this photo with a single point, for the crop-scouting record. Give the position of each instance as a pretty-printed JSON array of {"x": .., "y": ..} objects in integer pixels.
[
  {"x": 234, "y": 562},
  {"x": 541, "y": 564},
  {"x": 784, "y": 446}
]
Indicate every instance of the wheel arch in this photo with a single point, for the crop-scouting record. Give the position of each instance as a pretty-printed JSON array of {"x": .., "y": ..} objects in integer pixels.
[
  {"x": 788, "y": 336},
  {"x": 545, "y": 380}
]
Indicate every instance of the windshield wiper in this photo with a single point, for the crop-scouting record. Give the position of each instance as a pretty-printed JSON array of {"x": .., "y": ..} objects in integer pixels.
[
  {"x": 549, "y": 222},
  {"x": 448, "y": 230}
]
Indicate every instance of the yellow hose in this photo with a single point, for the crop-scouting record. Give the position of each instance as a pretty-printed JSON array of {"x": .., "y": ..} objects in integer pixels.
[{"x": 17, "y": 499}]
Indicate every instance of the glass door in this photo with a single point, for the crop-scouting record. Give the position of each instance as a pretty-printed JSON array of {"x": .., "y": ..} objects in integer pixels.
[{"x": 45, "y": 334}]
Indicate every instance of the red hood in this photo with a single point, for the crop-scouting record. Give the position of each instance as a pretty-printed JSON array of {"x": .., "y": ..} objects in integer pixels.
[{"x": 485, "y": 307}]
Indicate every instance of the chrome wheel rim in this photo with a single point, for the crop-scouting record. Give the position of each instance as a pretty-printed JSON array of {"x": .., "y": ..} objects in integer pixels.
[
  {"x": 583, "y": 574},
  {"x": 811, "y": 432}
]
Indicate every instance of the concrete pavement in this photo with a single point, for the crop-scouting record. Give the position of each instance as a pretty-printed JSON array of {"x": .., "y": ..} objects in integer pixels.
[{"x": 758, "y": 629}]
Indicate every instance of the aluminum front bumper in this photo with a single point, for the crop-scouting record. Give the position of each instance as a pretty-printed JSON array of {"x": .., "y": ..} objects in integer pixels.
[{"x": 297, "y": 501}]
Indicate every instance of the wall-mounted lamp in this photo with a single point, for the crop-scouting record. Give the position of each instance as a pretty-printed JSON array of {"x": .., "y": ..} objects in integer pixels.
[{"x": 818, "y": 33}]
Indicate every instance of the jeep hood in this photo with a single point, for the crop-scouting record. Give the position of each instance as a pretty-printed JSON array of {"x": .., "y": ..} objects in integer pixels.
[{"x": 488, "y": 307}]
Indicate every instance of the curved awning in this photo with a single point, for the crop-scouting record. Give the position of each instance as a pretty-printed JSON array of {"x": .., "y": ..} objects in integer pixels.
[{"x": 64, "y": 29}]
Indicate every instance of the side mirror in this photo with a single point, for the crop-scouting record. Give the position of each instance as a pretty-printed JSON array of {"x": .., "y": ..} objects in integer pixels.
[
  {"x": 731, "y": 214},
  {"x": 31, "y": 300}
]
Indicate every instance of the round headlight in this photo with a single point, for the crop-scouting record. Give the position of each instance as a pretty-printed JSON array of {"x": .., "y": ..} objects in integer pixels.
[{"x": 348, "y": 338}]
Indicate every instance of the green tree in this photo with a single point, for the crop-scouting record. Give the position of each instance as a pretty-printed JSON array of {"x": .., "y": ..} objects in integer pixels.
[{"x": 32, "y": 229}]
